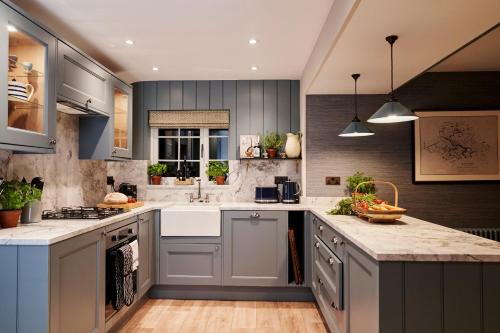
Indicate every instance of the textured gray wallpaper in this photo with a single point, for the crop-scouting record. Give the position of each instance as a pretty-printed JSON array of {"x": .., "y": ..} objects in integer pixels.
[{"x": 388, "y": 154}]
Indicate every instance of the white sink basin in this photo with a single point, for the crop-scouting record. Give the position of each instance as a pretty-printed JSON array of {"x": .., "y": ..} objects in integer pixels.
[{"x": 191, "y": 220}]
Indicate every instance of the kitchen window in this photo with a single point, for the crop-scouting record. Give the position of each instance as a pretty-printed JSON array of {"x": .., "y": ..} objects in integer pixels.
[{"x": 199, "y": 146}]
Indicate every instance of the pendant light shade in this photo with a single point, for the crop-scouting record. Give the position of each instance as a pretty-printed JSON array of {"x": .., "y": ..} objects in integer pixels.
[
  {"x": 392, "y": 111},
  {"x": 356, "y": 128}
]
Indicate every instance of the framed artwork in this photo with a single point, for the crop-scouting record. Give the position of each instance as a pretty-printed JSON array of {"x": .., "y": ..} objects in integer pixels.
[
  {"x": 456, "y": 146},
  {"x": 246, "y": 142}
]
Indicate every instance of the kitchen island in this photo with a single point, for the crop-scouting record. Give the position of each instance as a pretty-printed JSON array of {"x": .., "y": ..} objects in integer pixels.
[{"x": 411, "y": 276}]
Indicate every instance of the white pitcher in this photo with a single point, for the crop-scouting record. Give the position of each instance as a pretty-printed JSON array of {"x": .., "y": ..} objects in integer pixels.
[{"x": 292, "y": 147}]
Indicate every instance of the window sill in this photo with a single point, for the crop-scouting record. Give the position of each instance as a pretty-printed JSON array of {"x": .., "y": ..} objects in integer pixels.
[{"x": 188, "y": 187}]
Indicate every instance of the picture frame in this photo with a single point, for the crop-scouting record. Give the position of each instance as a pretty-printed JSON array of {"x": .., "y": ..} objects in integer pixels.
[{"x": 456, "y": 146}]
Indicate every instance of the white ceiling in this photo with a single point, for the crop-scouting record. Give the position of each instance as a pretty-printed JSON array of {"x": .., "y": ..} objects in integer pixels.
[
  {"x": 481, "y": 55},
  {"x": 190, "y": 39},
  {"x": 428, "y": 30}
]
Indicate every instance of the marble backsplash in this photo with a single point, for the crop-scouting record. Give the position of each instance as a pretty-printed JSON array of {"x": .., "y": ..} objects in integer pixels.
[{"x": 73, "y": 182}]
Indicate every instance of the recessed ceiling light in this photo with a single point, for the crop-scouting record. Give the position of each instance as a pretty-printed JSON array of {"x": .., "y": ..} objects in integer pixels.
[
  {"x": 254, "y": 68},
  {"x": 252, "y": 41},
  {"x": 11, "y": 28},
  {"x": 156, "y": 69},
  {"x": 129, "y": 42}
]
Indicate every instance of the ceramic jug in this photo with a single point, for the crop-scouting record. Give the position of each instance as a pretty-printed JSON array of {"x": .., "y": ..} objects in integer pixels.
[{"x": 292, "y": 146}]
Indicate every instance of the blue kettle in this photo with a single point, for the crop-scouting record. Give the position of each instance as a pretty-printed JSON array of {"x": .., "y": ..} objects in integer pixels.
[{"x": 291, "y": 192}]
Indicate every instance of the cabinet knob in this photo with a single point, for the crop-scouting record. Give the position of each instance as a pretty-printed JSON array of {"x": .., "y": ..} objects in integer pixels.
[
  {"x": 330, "y": 261},
  {"x": 217, "y": 248},
  {"x": 89, "y": 101},
  {"x": 113, "y": 152},
  {"x": 255, "y": 215},
  {"x": 315, "y": 220},
  {"x": 316, "y": 244},
  {"x": 52, "y": 141},
  {"x": 321, "y": 228},
  {"x": 320, "y": 281},
  {"x": 335, "y": 240},
  {"x": 104, "y": 233}
]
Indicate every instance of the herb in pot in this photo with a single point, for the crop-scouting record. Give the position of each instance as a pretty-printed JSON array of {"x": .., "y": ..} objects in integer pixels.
[
  {"x": 272, "y": 142},
  {"x": 12, "y": 199},
  {"x": 217, "y": 171},
  {"x": 156, "y": 171}
]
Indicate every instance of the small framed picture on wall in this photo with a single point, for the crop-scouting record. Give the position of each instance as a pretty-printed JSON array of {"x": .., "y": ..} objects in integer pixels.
[{"x": 457, "y": 146}]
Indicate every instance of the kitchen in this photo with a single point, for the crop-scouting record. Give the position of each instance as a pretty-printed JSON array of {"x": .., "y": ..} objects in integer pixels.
[{"x": 233, "y": 182}]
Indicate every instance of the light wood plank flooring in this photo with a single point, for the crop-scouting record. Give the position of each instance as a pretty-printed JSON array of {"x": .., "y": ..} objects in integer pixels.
[{"x": 188, "y": 316}]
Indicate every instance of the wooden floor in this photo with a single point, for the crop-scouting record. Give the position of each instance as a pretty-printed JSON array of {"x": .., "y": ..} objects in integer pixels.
[{"x": 172, "y": 316}]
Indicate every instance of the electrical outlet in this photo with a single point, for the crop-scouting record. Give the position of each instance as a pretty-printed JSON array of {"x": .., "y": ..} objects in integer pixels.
[
  {"x": 280, "y": 179},
  {"x": 332, "y": 180}
]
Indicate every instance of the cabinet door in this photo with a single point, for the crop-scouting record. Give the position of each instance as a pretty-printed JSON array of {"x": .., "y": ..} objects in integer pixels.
[
  {"x": 190, "y": 264},
  {"x": 77, "y": 284},
  {"x": 361, "y": 294},
  {"x": 255, "y": 248},
  {"x": 81, "y": 81},
  {"x": 27, "y": 91},
  {"x": 122, "y": 120},
  {"x": 146, "y": 252}
]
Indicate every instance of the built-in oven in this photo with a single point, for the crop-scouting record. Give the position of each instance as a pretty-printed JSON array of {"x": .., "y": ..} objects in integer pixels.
[{"x": 124, "y": 233}]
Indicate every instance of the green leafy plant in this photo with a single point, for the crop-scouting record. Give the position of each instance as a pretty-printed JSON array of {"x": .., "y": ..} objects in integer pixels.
[
  {"x": 11, "y": 195},
  {"x": 273, "y": 140},
  {"x": 357, "y": 178},
  {"x": 158, "y": 169},
  {"x": 30, "y": 192},
  {"x": 216, "y": 168},
  {"x": 343, "y": 207}
]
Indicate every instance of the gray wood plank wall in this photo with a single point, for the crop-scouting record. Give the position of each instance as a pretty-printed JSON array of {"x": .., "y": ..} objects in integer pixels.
[
  {"x": 388, "y": 154},
  {"x": 256, "y": 106}
]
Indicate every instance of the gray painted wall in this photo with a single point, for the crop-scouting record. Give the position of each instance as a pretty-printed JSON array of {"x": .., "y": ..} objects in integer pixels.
[
  {"x": 388, "y": 154},
  {"x": 256, "y": 106}
]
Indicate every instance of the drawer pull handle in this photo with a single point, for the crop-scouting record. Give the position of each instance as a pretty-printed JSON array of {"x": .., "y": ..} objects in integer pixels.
[
  {"x": 217, "y": 248},
  {"x": 320, "y": 281},
  {"x": 316, "y": 245},
  {"x": 335, "y": 240},
  {"x": 320, "y": 228},
  {"x": 330, "y": 261},
  {"x": 255, "y": 215},
  {"x": 315, "y": 220}
]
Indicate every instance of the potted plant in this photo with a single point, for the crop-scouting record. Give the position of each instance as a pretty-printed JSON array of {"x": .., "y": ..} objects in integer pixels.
[
  {"x": 32, "y": 192},
  {"x": 359, "y": 177},
  {"x": 156, "y": 171},
  {"x": 272, "y": 142},
  {"x": 11, "y": 200},
  {"x": 217, "y": 171}
]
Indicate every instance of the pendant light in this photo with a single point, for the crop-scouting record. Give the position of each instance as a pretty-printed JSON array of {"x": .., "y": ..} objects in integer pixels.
[
  {"x": 356, "y": 127},
  {"x": 392, "y": 111}
]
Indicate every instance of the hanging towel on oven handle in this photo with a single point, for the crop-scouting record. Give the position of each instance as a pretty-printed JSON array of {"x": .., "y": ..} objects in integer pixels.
[{"x": 123, "y": 293}]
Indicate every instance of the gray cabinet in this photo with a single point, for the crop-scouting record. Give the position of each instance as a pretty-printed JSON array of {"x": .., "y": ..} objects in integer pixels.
[
  {"x": 77, "y": 284},
  {"x": 28, "y": 97},
  {"x": 147, "y": 258},
  {"x": 109, "y": 138},
  {"x": 80, "y": 81},
  {"x": 255, "y": 248},
  {"x": 190, "y": 264}
]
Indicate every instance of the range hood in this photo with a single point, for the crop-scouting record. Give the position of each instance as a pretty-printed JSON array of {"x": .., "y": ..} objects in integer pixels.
[{"x": 69, "y": 107}]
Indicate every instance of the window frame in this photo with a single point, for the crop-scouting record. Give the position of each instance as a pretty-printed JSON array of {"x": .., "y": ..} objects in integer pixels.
[{"x": 204, "y": 149}]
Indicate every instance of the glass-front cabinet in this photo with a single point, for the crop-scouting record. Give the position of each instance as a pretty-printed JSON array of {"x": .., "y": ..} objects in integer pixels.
[
  {"x": 27, "y": 90},
  {"x": 122, "y": 120}
]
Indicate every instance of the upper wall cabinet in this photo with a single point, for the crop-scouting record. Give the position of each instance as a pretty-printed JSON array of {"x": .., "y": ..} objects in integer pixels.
[
  {"x": 109, "y": 138},
  {"x": 80, "y": 81},
  {"x": 27, "y": 90}
]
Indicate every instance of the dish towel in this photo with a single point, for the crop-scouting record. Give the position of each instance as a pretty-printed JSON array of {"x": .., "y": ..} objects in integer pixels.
[
  {"x": 135, "y": 254},
  {"x": 124, "y": 283}
]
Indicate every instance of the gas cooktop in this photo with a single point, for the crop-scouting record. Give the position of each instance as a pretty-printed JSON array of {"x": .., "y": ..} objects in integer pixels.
[{"x": 80, "y": 213}]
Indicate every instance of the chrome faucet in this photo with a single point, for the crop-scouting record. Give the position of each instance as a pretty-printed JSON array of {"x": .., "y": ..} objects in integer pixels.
[{"x": 192, "y": 198}]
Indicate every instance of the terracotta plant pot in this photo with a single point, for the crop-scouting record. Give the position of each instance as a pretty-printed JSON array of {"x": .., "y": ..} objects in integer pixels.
[
  {"x": 271, "y": 153},
  {"x": 220, "y": 180},
  {"x": 156, "y": 180},
  {"x": 9, "y": 218}
]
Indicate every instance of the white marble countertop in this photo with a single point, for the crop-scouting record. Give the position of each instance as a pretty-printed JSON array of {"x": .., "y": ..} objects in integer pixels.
[{"x": 408, "y": 240}]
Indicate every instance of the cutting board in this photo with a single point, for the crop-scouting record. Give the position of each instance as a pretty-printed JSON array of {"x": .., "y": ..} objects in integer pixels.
[{"x": 126, "y": 206}]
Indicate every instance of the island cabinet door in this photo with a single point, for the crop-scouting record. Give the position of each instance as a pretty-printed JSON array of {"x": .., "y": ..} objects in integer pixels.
[
  {"x": 361, "y": 292},
  {"x": 147, "y": 259},
  {"x": 77, "y": 284},
  {"x": 255, "y": 248}
]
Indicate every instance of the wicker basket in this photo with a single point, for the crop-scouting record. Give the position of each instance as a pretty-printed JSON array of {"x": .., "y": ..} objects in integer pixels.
[{"x": 379, "y": 216}]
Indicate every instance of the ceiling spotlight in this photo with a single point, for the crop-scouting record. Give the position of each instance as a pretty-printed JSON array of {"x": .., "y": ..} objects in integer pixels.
[
  {"x": 252, "y": 41},
  {"x": 129, "y": 42},
  {"x": 156, "y": 69},
  {"x": 11, "y": 28},
  {"x": 254, "y": 68}
]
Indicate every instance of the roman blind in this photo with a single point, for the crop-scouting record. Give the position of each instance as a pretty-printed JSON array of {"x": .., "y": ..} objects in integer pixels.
[{"x": 189, "y": 119}]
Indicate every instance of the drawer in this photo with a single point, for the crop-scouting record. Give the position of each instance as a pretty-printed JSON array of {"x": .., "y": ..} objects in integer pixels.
[
  {"x": 334, "y": 318},
  {"x": 330, "y": 270},
  {"x": 328, "y": 236}
]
